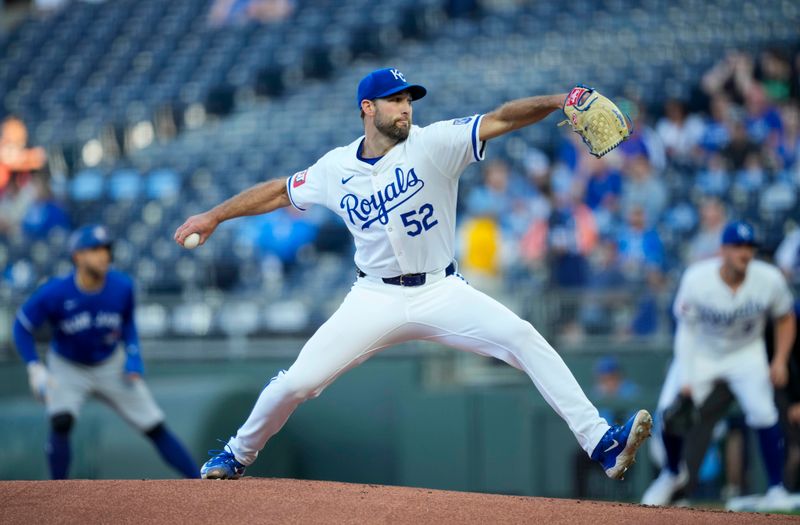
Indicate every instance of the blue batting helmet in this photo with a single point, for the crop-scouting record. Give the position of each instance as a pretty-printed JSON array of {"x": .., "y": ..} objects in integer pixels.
[{"x": 89, "y": 236}]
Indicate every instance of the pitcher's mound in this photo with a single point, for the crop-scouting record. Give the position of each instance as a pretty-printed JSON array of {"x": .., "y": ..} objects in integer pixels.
[{"x": 258, "y": 500}]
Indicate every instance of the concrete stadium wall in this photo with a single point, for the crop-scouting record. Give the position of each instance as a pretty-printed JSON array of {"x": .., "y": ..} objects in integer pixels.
[{"x": 380, "y": 423}]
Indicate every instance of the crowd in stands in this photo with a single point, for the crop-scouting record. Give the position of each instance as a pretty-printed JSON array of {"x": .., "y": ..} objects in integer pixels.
[
  {"x": 560, "y": 219},
  {"x": 635, "y": 218}
]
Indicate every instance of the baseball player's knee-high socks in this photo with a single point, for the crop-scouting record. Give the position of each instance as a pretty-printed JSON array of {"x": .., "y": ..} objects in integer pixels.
[
  {"x": 58, "y": 448},
  {"x": 58, "y": 454},
  {"x": 771, "y": 442},
  {"x": 173, "y": 452},
  {"x": 673, "y": 447}
]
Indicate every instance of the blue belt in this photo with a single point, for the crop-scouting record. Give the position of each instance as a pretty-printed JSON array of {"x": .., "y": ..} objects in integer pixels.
[{"x": 410, "y": 279}]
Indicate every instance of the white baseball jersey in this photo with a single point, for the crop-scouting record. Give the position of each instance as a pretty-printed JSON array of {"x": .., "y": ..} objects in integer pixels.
[
  {"x": 719, "y": 320},
  {"x": 401, "y": 211},
  {"x": 720, "y": 336}
]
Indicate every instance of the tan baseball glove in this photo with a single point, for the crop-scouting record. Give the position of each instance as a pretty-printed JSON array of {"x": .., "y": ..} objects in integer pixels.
[{"x": 598, "y": 121}]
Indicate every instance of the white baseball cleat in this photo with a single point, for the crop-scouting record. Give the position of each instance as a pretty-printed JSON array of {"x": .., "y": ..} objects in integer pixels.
[
  {"x": 777, "y": 498},
  {"x": 663, "y": 488}
]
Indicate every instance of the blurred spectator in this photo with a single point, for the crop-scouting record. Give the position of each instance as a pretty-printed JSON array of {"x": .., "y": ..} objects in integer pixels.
[
  {"x": 647, "y": 309},
  {"x": 493, "y": 196},
  {"x": 715, "y": 179},
  {"x": 777, "y": 199},
  {"x": 610, "y": 383},
  {"x": 481, "y": 242},
  {"x": 241, "y": 11},
  {"x": 563, "y": 240},
  {"x": 680, "y": 132},
  {"x": 776, "y": 74},
  {"x": 481, "y": 234},
  {"x": 732, "y": 76},
  {"x": 643, "y": 189},
  {"x": 15, "y": 156},
  {"x": 536, "y": 193},
  {"x": 644, "y": 141},
  {"x": 752, "y": 175},
  {"x": 640, "y": 247},
  {"x": 604, "y": 183},
  {"x": 787, "y": 151},
  {"x": 739, "y": 146},
  {"x": 569, "y": 152},
  {"x": 680, "y": 220},
  {"x": 717, "y": 131},
  {"x": 15, "y": 199},
  {"x": 599, "y": 306},
  {"x": 762, "y": 119},
  {"x": 706, "y": 242},
  {"x": 17, "y": 165},
  {"x": 45, "y": 213}
]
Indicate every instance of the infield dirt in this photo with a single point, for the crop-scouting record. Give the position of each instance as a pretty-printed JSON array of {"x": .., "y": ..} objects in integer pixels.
[{"x": 260, "y": 500}]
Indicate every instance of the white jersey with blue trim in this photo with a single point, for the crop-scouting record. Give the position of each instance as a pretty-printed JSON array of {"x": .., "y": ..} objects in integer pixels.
[
  {"x": 717, "y": 319},
  {"x": 401, "y": 210}
]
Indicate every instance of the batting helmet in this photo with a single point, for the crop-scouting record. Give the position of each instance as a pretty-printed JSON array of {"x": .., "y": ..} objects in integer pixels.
[{"x": 89, "y": 236}]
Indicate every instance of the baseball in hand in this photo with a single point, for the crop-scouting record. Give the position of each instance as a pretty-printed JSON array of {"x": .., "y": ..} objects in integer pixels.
[{"x": 191, "y": 241}]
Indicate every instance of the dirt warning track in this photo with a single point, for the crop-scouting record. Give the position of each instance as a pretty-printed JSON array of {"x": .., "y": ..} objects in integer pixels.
[{"x": 258, "y": 500}]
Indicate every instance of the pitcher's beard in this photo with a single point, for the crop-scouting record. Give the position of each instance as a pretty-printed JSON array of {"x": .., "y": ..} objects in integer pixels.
[{"x": 392, "y": 130}]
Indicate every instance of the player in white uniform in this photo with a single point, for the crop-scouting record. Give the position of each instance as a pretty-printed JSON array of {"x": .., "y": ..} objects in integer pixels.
[
  {"x": 721, "y": 309},
  {"x": 395, "y": 188}
]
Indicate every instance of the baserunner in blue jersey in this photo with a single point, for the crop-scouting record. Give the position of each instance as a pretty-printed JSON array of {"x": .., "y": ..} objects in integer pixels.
[{"x": 94, "y": 352}]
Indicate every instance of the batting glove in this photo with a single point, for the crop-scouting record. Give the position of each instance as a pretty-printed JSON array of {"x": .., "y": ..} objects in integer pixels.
[{"x": 38, "y": 378}]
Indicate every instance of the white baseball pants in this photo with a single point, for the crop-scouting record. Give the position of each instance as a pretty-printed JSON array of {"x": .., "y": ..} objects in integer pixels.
[
  {"x": 375, "y": 315},
  {"x": 746, "y": 370}
]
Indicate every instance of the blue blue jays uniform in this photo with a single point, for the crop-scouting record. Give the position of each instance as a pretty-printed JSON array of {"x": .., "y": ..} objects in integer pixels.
[
  {"x": 89, "y": 331},
  {"x": 87, "y": 327}
]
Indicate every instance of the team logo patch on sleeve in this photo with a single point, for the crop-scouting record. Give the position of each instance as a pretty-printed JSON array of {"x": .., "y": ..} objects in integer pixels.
[
  {"x": 299, "y": 178},
  {"x": 462, "y": 120}
]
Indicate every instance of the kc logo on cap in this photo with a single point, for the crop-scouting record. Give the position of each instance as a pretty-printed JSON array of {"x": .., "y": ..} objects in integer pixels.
[
  {"x": 385, "y": 82},
  {"x": 739, "y": 233}
]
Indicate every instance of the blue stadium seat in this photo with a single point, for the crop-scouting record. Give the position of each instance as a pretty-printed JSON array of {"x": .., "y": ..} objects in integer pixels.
[
  {"x": 87, "y": 185},
  {"x": 124, "y": 185}
]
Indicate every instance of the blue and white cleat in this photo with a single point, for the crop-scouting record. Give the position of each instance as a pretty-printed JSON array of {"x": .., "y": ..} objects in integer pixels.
[
  {"x": 222, "y": 466},
  {"x": 617, "y": 449}
]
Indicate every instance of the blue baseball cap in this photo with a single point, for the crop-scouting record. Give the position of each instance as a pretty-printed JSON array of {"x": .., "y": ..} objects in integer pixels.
[
  {"x": 739, "y": 233},
  {"x": 606, "y": 365},
  {"x": 385, "y": 82},
  {"x": 89, "y": 236}
]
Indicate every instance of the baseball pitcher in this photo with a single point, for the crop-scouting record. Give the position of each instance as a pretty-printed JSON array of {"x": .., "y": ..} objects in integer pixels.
[{"x": 395, "y": 188}]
